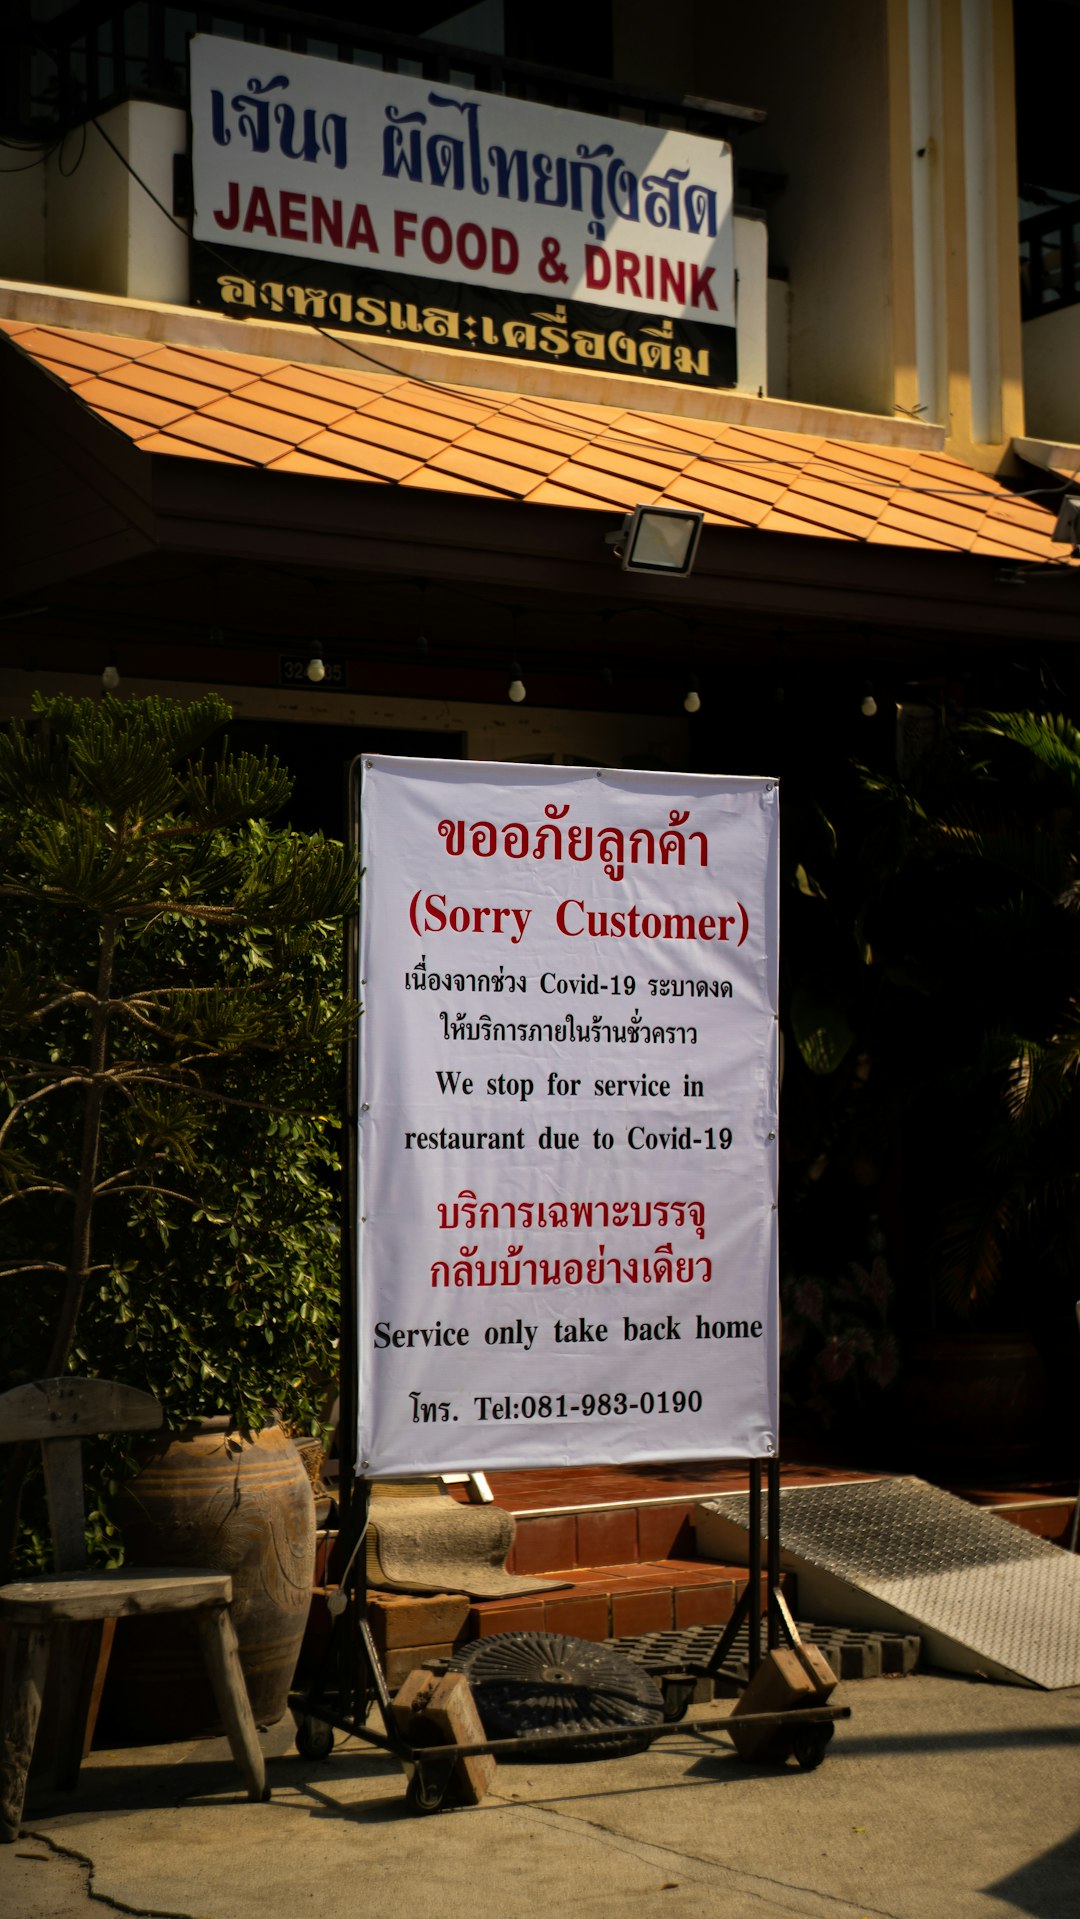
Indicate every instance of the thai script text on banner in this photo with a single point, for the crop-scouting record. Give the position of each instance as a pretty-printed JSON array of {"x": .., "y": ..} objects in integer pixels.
[{"x": 567, "y": 1136}]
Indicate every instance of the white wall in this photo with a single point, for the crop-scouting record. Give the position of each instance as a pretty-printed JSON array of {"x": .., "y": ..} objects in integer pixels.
[
  {"x": 1052, "y": 376},
  {"x": 22, "y": 215},
  {"x": 820, "y": 73},
  {"x": 103, "y": 231}
]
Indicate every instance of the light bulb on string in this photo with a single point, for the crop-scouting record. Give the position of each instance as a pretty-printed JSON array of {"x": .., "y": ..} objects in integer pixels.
[
  {"x": 692, "y": 698},
  {"x": 110, "y": 679},
  {"x": 315, "y": 668},
  {"x": 868, "y": 704},
  {"x": 516, "y": 689}
]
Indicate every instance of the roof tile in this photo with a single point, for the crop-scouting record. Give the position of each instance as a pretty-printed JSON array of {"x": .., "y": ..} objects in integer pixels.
[
  {"x": 239, "y": 411},
  {"x": 777, "y": 521},
  {"x": 296, "y": 462},
  {"x": 717, "y": 500},
  {"x": 130, "y": 403},
  {"x": 185, "y": 393},
  {"x": 811, "y": 498},
  {"x": 647, "y": 475},
  {"x": 252, "y": 449},
  {"x": 496, "y": 474},
  {"x": 951, "y": 538},
  {"x": 513, "y": 426},
  {"x": 134, "y": 429},
  {"x": 491, "y": 443},
  {"x": 287, "y": 398},
  {"x": 362, "y": 456},
  {"x": 443, "y": 400},
  {"x": 608, "y": 489},
  {"x": 988, "y": 543},
  {"x": 561, "y": 493},
  {"x": 409, "y": 412},
  {"x": 366, "y": 425},
  {"x": 892, "y": 536},
  {"x": 62, "y": 349},
  {"x": 187, "y": 363},
  {"x": 389, "y": 428},
  {"x": 679, "y": 437},
  {"x": 449, "y": 483},
  {"x": 187, "y": 450},
  {"x": 332, "y": 386},
  {"x": 1018, "y": 538},
  {"x": 734, "y": 479}
]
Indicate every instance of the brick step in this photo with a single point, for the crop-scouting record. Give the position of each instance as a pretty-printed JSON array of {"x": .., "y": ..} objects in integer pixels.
[
  {"x": 598, "y": 1602},
  {"x": 546, "y": 1543},
  {"x": 1048, "y": 1515}
]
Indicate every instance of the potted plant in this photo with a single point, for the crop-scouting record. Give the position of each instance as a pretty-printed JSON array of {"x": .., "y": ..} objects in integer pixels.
[{"x": 171, "y": 1017}]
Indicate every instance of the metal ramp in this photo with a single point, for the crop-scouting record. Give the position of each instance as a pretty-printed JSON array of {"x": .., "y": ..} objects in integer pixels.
[{"x": 984, "y": 1595}]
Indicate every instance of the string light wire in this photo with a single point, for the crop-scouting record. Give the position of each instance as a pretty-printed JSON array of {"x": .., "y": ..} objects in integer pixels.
[{"x": 620, "y": 436}]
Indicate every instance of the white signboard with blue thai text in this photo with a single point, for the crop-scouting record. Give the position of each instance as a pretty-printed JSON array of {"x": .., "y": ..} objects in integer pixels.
[
  {"x": 394, "y": 207},
  {"x": 567, "y": 1136}
]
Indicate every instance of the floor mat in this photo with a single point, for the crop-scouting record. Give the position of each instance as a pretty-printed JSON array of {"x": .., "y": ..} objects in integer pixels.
[{"x": 440, "y": 1546}]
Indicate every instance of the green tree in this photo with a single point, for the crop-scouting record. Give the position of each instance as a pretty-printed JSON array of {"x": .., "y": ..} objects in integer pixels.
[
  {"x": 171, "y": 1019},
  {"x": 976, "y": 930}
]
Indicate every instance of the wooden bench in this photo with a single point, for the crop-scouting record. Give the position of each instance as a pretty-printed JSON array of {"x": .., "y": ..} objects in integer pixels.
[{"x": 66, "y": 1610}]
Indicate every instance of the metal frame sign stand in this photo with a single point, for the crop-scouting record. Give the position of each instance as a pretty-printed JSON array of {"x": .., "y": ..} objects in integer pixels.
[{"x": 562, "y": 1198}]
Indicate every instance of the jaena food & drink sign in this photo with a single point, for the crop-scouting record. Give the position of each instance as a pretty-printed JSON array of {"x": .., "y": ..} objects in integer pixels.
[{"x": 391, "y": 207}]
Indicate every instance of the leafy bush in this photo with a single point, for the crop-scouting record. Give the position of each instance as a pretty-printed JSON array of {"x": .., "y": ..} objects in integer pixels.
[{"x": 171, "y": 1016}]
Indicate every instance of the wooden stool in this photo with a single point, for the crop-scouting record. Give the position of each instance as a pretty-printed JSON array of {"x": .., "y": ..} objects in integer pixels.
[{"x": 73, "y": 1604}]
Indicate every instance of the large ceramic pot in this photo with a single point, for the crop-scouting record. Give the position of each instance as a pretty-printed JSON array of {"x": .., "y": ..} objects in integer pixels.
[{"x": 208, "y": 1497}]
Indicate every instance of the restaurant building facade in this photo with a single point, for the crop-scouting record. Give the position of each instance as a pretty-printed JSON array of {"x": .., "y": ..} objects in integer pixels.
[{"x": 333, "y": 364}]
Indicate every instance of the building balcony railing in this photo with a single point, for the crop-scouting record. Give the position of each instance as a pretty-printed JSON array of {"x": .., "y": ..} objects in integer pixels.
[
  {"x": 95, "y": 56},
  {"x": 1050, "y": 260}
]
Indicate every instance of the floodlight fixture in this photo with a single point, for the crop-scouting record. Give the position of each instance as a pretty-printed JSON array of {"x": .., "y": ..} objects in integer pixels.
[
  {"x": 659, "y": 539},
  {"x": 1067, "y": 528}
]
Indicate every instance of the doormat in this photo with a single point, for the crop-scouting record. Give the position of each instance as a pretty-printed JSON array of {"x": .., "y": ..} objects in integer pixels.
[{"x": 440, "y": 1546}]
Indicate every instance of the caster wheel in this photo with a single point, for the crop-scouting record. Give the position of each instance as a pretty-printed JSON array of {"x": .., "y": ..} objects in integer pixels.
[
  {"x": 422, "y": 1797},
  {"x": 314, "y": 1739},
  {"x": 809, "y": 1746}
]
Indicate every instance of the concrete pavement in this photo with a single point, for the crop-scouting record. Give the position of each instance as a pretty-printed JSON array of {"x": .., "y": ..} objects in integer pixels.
[{"x": 941, "y": 1798}]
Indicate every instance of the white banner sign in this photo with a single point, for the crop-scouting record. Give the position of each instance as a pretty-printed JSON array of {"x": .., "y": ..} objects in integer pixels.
[
  {"x": 567, "y": 1235},
  {"x": 395, "y": 175}
]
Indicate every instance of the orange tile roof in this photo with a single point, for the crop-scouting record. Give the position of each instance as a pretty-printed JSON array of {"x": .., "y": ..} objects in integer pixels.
[{"x": 393, "y": 429}]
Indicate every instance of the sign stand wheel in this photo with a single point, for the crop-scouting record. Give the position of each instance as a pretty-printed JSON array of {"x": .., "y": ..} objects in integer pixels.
[
  {"x": 314, "y": 1738},
  {"x": 808, "y": 1746}
]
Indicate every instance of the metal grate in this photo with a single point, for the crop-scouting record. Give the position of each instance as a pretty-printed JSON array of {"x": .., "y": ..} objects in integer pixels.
[
  {"x": 983, "y": 1594},
  {"x": 527, "y": 1683},
  {"x": 851, "y": 1654}
]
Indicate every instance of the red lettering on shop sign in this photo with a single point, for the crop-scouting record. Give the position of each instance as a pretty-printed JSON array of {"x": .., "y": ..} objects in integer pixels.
[
  {"x": 293, "y": 212},
  {"x": 361, "y": 232},
  {"x": 404, "y": 230},
  {"x": 326, "y": 220},
  {"x": 436, "y": 240},
  {"x": 258, "y": 213},
  {"x": 645, "y": 277}
]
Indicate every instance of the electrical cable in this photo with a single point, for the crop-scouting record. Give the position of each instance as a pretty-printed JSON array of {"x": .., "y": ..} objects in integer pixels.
[
  {"x": 621, "y": 437},
  {"x": 68, "y": 173}
]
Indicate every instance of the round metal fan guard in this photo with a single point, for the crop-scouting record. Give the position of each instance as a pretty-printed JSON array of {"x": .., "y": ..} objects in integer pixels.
[{"x": 526, "y": 1683}]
